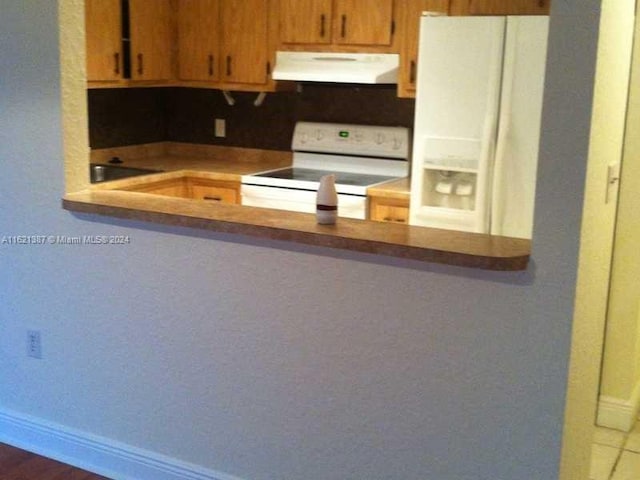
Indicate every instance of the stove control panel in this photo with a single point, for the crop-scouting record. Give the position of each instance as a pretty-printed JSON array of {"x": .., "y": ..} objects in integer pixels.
[{"x": 347, "y": 139}]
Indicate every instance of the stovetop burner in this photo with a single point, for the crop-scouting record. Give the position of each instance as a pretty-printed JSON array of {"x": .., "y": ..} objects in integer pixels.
[
  {"x": 360, "y": 156},
  {"x": 312, "y": 175}
]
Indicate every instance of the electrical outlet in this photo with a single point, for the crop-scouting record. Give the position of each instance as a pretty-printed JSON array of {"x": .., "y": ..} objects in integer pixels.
[
  {"x": 34, "y": 346},
  {"x": 221, "y": 127}
]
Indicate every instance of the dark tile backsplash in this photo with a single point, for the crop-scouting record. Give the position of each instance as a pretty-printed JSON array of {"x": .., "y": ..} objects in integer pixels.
[
  {"x": 119, "y": 117},
  {"x": 127, "y": 116}
]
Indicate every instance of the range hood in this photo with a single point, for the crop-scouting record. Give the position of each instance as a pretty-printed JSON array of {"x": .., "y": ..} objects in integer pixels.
[{"x": 337, "y": 67}]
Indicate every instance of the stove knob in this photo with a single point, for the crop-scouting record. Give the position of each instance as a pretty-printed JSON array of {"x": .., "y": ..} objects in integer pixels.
[
  {"x": 319, "y": 134},
  {"x": 358, "y": 136},
  {"x": 379, "y": 138},
  {"x": 304, "y": 137},
  {"x": 397, "y": 143}
]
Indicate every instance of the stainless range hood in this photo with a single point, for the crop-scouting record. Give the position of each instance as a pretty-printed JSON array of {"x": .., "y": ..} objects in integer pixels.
[{"x": 367, "y": 68}]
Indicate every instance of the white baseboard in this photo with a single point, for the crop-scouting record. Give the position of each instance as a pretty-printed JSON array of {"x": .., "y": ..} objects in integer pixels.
[
  {"x": 100, "y": 455},
  {"x": 617, "y": 413}
]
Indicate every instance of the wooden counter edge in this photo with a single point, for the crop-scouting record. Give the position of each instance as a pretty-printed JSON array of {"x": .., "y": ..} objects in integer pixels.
[{"x": 401, "y": 241}]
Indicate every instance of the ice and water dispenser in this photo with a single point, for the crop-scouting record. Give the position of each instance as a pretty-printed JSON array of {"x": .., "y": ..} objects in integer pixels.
[{"x": 451, "y": 192}]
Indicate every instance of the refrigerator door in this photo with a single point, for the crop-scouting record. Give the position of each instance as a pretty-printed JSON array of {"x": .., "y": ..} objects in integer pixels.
[
  {"x": 457, "y": 101},
  {"x": 514, "y": 178}
]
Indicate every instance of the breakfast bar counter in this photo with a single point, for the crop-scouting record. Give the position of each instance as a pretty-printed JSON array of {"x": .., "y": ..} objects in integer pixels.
[{"x": 127, "y": 199}]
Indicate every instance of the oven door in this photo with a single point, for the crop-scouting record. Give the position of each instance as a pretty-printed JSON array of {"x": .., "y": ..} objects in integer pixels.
[{"x": 351, "y": 206}]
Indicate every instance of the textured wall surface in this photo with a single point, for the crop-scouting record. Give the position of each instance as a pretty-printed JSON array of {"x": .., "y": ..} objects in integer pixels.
[
  {"x": 275, "y": 361},
  {"x": 143, "y": 115},
  {"x": 621, "y": 368},
  {"x": 127, "y": 116}
]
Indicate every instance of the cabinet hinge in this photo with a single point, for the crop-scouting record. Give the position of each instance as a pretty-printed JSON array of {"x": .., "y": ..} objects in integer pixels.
[
  {"x": 268, "y": 68},
  {"x": 393, "y": 27}
]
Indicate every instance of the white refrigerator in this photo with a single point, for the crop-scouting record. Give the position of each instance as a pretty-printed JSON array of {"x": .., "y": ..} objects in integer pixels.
[{"x": 477, "y": 123}]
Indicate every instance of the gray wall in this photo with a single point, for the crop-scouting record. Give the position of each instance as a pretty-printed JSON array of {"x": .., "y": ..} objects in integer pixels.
[{"x": 272, "y": 361}]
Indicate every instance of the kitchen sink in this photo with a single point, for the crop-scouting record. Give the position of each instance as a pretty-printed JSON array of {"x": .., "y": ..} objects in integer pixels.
[{"x": 104, "y": 173}]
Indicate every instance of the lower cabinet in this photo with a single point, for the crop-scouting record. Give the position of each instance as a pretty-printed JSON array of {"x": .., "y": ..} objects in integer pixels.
[
  {"x": 221, "y": 191},
  {"x": 213, "y": 190},
  {"x": 385, "y": 209}
]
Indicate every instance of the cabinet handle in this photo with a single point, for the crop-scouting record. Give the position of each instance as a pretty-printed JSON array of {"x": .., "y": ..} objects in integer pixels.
[
  {"x": 322, "y": 25},
  {"x": 343, "y": 27},
  {"x": 214, "y": 199},
  {"x": 211, "y": 65},
  {"x": 140, "y": 65},
  {"x": 116, "y": 61},
  {"x": 395, "y": 220},
  {"x": 228, "y": 65},
  {"x": 412, "y": 72}
]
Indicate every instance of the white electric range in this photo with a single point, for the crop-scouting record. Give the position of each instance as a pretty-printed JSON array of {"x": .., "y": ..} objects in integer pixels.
[{"x": 360, "y": 156}]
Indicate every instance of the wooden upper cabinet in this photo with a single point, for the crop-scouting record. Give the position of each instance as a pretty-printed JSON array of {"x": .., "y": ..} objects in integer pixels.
[
  {"x": 363, "y": 22},
  {"x": 500, "y": 7},
  {"x": 150, "y": 28},
  {"x": 358, "y": 23},
  {"x": 305, "y": 21},
  {"x": 103, "y": 40},
  {"x": 245, "y": 41},
  {"x": 198, "y": 40},
  {"x": 410, "y": 24}
]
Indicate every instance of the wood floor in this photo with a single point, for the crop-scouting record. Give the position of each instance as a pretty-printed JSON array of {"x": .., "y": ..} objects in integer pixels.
[{"x": 16, "y": 464}]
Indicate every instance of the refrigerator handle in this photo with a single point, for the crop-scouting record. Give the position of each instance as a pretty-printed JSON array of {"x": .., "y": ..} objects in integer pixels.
[
  {"x": 490, "y": 133},
  {"x": 504, "y": 127},
  {"x": 487, "y": 157},
  {"x": 497, "y": 194}
]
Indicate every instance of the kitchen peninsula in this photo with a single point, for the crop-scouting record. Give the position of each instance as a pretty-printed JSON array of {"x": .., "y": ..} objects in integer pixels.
[
  {"x": 187, "y": 101},
  {"x": 129, "y": 199}
]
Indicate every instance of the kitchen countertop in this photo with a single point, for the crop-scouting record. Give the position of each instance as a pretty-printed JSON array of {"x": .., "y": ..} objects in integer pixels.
[
  {"x": 417, "y": 243},
  {"x": 227, "y": 163},
  {"x": 221, "y": 163},
  {"x": 399, "y": 189},
  {"x": 403, "y": 241}
]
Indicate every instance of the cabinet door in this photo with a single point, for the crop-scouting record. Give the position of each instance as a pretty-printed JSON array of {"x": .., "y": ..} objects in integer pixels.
[
  {"x": 198, "y": 45},
  {"x": 363, "y": 22},
  {"x": 412, "y": 10},
  {"x": 104, "y": 40},
  {"x": 244, "y": 30},
  {"x": 150, "y": 39},
  {"x": 500, "y": 7},
  {"x": 305, "y": 21},
  {"x": 388, "y": 210}
]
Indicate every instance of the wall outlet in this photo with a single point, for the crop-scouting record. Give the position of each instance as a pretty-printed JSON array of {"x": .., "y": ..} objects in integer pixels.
[
  {"x": 221, "y": 128},
  {"x": 34, "y": 346}
]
